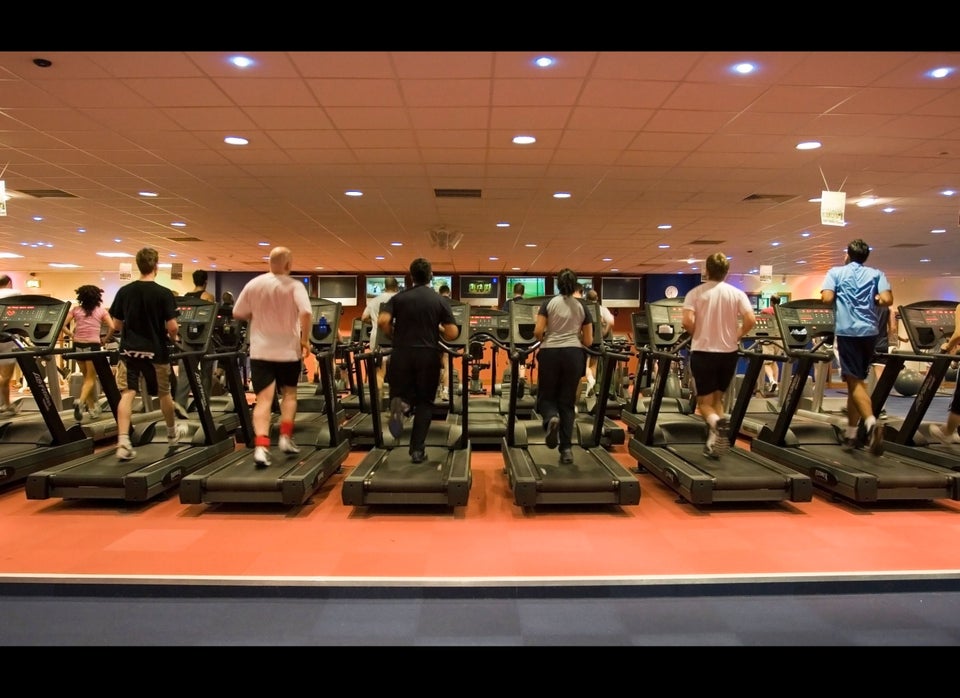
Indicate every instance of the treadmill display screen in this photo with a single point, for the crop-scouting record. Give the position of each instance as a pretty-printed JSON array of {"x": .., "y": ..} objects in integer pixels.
[
  {"x": 932, "y": 317},
  {"x": 815, "y": 317},
  {"x": 24, "y": 313}
]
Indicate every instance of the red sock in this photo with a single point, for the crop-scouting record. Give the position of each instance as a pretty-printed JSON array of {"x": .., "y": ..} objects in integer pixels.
[
  {"x": 261, "y": 441},
  {"x": 286, "y": 428}
]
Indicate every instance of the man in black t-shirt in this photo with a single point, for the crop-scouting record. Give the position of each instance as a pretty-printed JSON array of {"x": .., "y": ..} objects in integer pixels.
[{"x": 414, "y": 319}]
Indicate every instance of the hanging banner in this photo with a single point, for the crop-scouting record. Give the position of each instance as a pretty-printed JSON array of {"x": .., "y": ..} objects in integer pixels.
[
  {"x": 3, "y": 198},
  {"x": 126, "y": 271},
  {"x": 176, "y": 271},
  {"x": 831, "y": 207},
  {"x": 766, "y": 273}
]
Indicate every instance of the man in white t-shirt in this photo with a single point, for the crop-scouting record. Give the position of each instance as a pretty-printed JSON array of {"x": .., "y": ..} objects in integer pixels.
[
  {"x": 606, "y": 330},
  {"x": 712, "y": 314},
  {"x": 370, "y": 315}
]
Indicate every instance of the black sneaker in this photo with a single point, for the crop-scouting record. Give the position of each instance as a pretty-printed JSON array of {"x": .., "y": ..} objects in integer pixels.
[
  {"x": 849, "y": 444},
  {"x": 566, "y": 456},
  {"x": 553, "y": 429},
  {"x": 418, "y": 456},
  {"x": 77, "y": 414},
  {"x": 875, "y": 439},
  {"x": 396, "y": 417}
]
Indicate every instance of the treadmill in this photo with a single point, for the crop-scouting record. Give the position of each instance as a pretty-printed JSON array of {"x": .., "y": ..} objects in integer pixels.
[
  {"x": 292, "y": 479},
  {"x": 533, "y": 470},
  {"x": 633, "y": 412},
  {"x": 34, "y": 323},
  {"x": 814, "y": 448},
  {"x": 386, "y": 475},
  {"x": 759, "y": 411},
  {"x": 157, "y": 468},
  {"x": 671, "y": 448},
  {"x": 929, "y": 324}
]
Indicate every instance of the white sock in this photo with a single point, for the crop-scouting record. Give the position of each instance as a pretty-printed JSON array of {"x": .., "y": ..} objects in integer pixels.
[
  {"x": 712, "y": 420},
  {"x": 869, "y": 422},
  {"x": 851, "y": 432}
]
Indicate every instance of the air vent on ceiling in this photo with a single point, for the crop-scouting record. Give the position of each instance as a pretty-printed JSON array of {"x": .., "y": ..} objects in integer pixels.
[
  {"x": 188, "y": 239},
  {"x": 457, "y": 193},
  {"x": 47, "y": 193},
  {"x": 771, "y": 198},
  {"x": 708, "y": 242},
  {"x": 910, "y": 244}
]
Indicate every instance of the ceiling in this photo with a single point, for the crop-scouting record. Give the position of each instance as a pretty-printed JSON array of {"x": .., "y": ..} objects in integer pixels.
[{"x": 637, "y": 139}]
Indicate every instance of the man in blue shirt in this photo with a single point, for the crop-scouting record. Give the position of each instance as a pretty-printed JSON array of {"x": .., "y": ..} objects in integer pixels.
[{"x": 857, "y": 293}]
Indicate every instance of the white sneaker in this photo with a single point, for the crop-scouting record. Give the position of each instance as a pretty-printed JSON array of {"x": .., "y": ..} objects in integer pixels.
[
  {"x": 287, "y": 444},
  {"x": 261, "y": 456},
  {"x": 125, "y": 452},
  {"x": 180, "y": 431},
  {"x": 937, "y": 432},
  {"x": 96, "y": 411}
]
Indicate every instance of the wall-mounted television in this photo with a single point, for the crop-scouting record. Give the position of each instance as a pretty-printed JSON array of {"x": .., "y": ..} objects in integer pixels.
[
  {"x": 620, "y": 291},
  {"x": 375, "y": 284},
  {"x": 480, "y": 290},
  {"x": 340, "y": 289},
  {"x": 441, "y": 279},
  {"x": 532, "y": 286}
]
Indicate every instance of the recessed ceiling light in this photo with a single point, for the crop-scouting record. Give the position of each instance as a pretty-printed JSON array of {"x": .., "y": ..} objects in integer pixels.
[
  {"x": 664, "y": 226},
  {"x": 64, "y": 265},
  {"x": 241, "y": 61},
  {"x": 493, "y": 259},
  {"x": 889, "y": 209},
  {"x": 805, "y": 234},
  {"x": 809, "y": 145},
  {"x": 148, "y": 193},
  {"x": 353, "y": 192},
  {"x": 114, "y": 254},
  {"x": 10, "y": 255},
  {"x": 544, "y": 61},
  {"x": 263, "y": 244},
  {"x": 607, "y": 259},
  {"x": 948, "y": 192},
  {"x": 38, "y": 218},
  {"x": 524, "y": 140},
  {"x": 663, "y": 246},
  {"x": 938, "y": 231},
  {"x": 867, "y": 201},
  {"x": 396, "y": 244},
  {"x": 503, "y": 224},
  {"x": 530, "y": 244},
  {"x": 179, "y": 224},
  {"x": 235, "y": 140},
  {"x": 940, "y": 72},
  {"x": 379, "y": 258},
  {"x": 744, "y": 68},
  {"x": 775, "y": 244},
  {"x": 924, "y": 260},
  {"x": 561, "y": 195},
  {"x": 81, "y": 230}
]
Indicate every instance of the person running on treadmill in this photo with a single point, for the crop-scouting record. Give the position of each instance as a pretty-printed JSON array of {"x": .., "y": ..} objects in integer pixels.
[
  {"x": 277, "y": 308},
  {"x": 857, "y": 292},
  {"x": 564, "y": 327},
  {"x": 717, "y": 315},
  {"x": 947, "y": 433},
  {"x": 145, "y": 316},
  {"x": 415, "y": 319}
]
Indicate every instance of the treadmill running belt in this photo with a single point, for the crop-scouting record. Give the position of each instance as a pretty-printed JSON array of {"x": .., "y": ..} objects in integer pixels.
[
  {"x": 890, "y": 472},
  {"x": 734, "y": 470},
  {"x": 585, "y": 474}
]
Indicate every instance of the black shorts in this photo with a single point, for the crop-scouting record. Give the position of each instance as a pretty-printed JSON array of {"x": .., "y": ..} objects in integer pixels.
[
  {"x": 856, "y": 355},
  {"x": 713, "y": 371},
  {"x": 284, "y": 373}
]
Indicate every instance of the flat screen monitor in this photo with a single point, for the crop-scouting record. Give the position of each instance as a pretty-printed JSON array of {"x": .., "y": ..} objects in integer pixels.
[
  {"x": 480, "y": 290},
  {"x": 339, "y": 289},
  {"x": 440, "y": 280},
  {"x": 620, "y": 291},
  {"x": 375, "y": 284},
  {"x": 532, "y": 285}
]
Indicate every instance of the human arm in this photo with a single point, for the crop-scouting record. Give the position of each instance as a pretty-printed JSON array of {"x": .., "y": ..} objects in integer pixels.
[
  {"x": 827, "y": 296},
  {"x": 173, "y": 330},
  {"x": 586, "y": 333},
  {"x": 111, "y": 325},
  {"x": 540, "y": 329},
  {"x": 950, "y": 346},
  {"x": 748, "y": 320},
  {"x": 689, "y": 321}
]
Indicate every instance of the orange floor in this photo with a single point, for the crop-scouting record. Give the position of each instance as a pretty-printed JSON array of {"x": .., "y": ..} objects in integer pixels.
[{"x": 490, "y": 540}]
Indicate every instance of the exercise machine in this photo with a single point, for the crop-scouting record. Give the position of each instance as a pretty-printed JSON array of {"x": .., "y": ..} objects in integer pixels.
[
  {"x": 533, "y": 470},
  {"x": 815, "y": 448},
  {"x": 235, "y": 477},
  {"x": 387, "y": 475},
  {"x": 672, "y": 448},
  {"x": 157, "y": 467}
]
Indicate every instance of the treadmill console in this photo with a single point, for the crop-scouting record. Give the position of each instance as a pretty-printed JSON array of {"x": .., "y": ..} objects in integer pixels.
[
  {"x": 801, "y": 322},
  {"x": 491, "y": 321},
  {"x": 641, "y": 328},
  {"x": 523, "y": 320},
  {"x": 929, "y": 324},
  {"x": 463, "y": 318},
  {"x": 39, "y": 319},
  {"x": 325, "y": 327},
  {"x": 360, "y": 332},
  {"x": 665, "y": 322},
  {"x": 197, "y": 320},
  {"x": 765, "y": 328}
]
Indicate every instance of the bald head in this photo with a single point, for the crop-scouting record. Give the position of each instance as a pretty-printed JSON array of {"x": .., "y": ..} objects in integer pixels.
[{"x": 281, "y": 260}]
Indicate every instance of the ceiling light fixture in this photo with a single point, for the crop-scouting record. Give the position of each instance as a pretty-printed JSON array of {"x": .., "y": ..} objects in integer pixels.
[
  {"x": 809, "y": 145},
  {"x": 524, "y": 140},
  {"x": 235, "y": 140}
]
